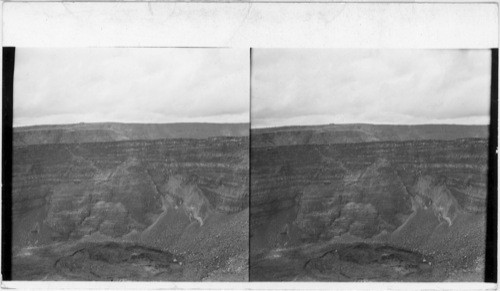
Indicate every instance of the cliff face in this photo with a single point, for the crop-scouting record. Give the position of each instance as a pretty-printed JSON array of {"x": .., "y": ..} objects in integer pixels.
[
  {"x": 356, "y": 133},
  {"x": 427, "y": 196},
  {"x": 187, "y": 197},
  {"x": 106, "y": 132}
]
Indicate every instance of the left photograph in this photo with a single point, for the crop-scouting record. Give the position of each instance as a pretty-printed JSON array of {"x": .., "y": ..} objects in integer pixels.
[{"x": 130, "y": 164}]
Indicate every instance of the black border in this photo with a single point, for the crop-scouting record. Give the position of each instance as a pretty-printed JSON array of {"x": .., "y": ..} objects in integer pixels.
[
  {"x": 250, "y": 167},
  {"x": 9, "y": 55},
  {"x": 490, "y": 270}
]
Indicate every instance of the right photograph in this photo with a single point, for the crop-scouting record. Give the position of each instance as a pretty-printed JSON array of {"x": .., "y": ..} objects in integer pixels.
[{"x": 369, "y": 165}]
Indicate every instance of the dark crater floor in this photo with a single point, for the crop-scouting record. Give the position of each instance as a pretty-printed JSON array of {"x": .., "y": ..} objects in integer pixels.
[
  {"x": 118, "y": 261},
  {"x": 96, "y": 261},
  {"x": 344, "y": 262},
  {"x": 369, "y": 262}
]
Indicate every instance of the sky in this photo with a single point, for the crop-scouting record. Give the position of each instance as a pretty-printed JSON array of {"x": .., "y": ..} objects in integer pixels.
[
  {"x": 322, "y": 86},
  {"x": 141, "y": 85}
]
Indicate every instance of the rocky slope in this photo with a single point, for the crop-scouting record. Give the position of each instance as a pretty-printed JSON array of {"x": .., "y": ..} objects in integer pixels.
[
  {"x": 388, "y": 209},
  {"x": 170, "y": 209},
  {"x": 104, "y": 132}
]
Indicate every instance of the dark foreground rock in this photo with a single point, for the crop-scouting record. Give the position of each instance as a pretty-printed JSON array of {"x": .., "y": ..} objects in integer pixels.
[{"x": 345, "y": 262}]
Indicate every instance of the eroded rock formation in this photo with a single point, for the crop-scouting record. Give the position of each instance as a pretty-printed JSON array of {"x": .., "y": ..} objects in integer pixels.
[{"x": 188, "y": 197}]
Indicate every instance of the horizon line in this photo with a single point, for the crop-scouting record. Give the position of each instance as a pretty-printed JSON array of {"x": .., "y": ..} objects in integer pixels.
[
  {"x": 125, "y": 123},
  {"x": 249, "y": 123},
  {"x": 365, "y": 123}
]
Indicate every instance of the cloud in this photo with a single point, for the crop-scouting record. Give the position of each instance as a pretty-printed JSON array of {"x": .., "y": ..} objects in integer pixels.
[
  {"x": 317, "y": 86},
  {"x": 152, "y": 85}
]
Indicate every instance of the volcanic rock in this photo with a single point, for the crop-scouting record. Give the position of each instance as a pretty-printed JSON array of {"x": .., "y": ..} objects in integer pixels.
[{"x": 182, "y": 197}]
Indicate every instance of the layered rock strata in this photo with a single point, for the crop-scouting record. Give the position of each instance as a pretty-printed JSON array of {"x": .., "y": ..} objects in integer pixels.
[
  {"x": 105, "y": 132},
  {"x": 180, "y": 196}
]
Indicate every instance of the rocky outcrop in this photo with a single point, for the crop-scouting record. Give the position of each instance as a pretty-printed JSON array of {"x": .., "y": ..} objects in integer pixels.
[
  {"x": 106, "y": 132},
  {"x": 118, "y": 187},
  {"x": 308, "y": 193},
  {"x": 319, "y": 191}
]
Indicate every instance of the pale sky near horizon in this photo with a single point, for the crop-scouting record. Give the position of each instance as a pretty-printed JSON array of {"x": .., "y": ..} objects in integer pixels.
[
  {"x": 143, "y": 85},
  {"x": 321, "y": 86}
]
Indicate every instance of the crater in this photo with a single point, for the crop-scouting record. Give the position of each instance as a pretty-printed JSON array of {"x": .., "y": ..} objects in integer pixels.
[
  {"x": 359, "y": 262},
  {"x": 344, "y": 262},
  {"x": 119, "y": 261}
]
